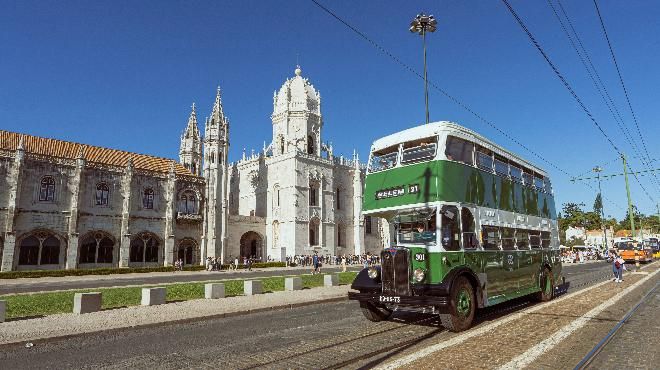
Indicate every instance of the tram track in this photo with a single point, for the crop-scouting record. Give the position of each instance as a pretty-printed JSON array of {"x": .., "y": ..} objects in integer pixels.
[
  {"x": 587, "y": 360},
  {"x": 371, "y": 347}
]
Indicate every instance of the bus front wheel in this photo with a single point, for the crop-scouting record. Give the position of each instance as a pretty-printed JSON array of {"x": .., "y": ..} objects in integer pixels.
[
  {"x": 547, "y": 285},
  {"x": 462, "y": 306},
  {"x": 373, "y": 313}
]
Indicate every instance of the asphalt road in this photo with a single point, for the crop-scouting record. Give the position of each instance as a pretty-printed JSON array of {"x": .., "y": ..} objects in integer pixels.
[
  {"x": 317, "y": 336},
  {"x": 44, "y": 286}
]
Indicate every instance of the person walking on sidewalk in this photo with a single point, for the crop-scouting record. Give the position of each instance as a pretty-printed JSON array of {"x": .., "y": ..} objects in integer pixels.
[
  {"x": 315, "y": 263},
  {"x": 343, "y": 263},
  {"x": 617, "y": 267}
]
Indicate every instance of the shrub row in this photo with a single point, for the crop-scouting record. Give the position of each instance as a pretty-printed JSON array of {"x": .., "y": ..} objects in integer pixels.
[{"x": 109, "y": 271}]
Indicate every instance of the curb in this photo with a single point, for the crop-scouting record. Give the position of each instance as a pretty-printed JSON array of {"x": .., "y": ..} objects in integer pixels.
[{"x": 180, "y": 321}]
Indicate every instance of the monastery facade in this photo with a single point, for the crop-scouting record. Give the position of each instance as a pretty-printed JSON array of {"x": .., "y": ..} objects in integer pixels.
[{"x": 70, "y": 205}]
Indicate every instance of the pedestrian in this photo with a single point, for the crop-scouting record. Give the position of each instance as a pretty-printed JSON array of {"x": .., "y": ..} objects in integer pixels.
[
  {"x": 617, "y": 268},
  {"x": 235, "y": 263},
  {"x": 343, "y": 263},
  {"x": 315, "y": 263}
]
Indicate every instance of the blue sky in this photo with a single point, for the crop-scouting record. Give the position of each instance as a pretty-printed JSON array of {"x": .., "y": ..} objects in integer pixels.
[{"x": 123, "y": 74}]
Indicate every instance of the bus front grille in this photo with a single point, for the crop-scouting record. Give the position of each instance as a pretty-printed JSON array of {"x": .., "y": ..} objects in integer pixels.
[{"x": 395, "y": 272}]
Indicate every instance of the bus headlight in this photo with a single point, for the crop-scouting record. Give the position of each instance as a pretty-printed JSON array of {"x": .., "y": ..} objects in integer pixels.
[
  {"x": 373, "y": 273},
  {"x": 419, "y": 275}
]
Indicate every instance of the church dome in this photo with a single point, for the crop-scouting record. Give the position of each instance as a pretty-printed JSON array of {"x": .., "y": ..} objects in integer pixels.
[{"x": 297, "y": 94}]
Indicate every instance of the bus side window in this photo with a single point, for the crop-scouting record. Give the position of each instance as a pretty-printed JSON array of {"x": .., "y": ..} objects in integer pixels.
[
  {"x": 545, "y": 239},
  {"x": 459, "y": 150},
  {"x": 449, "y": 227},
  {"x": 522, "y": 239},
  {"x": 508, "y": 241},
  {"x": 470, "y": 240},
  {"x": 491, "y": 237},
  {"x": 534, "y": 240}
]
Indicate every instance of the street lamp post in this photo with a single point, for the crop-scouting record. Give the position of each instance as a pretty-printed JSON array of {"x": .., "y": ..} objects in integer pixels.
[
  {"x": 598, "y": 170},
  {"x": 422, "y": 24}
]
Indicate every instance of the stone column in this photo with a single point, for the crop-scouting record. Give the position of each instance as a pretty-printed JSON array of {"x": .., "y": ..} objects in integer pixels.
[
  {"x": 168, "y": 258},
  {"x": 358, "y": 235},
  {"x": 225, "y": 211},
  {"x": 15, "y": 180},
  {"x": 125, "y": 246},
  {"x": 321, "y": 213},
  {"x": 72, "y": 250}
]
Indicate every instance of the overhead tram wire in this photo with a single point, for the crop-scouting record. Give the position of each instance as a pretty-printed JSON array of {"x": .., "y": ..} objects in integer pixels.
[
  {"x": 598, "y": 83},
  {"x": 568, "y": 87},
  {"x": 449, "y": 96},
  {"x": 623, "y": 85}
]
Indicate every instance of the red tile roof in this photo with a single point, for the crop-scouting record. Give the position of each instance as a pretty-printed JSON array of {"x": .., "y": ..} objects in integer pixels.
[{"x": 69, "y": 150}]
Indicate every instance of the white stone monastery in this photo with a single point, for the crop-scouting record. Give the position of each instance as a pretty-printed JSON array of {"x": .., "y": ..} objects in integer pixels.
[{"x": 70, "y": 205}]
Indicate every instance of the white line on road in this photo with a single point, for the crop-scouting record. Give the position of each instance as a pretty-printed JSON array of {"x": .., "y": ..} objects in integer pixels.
[
  {"x": 479, "y": 331},
  {"x": 535, "y": 352}
]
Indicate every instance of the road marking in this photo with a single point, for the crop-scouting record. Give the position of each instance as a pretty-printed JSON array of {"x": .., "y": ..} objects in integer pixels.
[
  {"x": 535, "y": 352},
  {"x": 481, "y": 330}
]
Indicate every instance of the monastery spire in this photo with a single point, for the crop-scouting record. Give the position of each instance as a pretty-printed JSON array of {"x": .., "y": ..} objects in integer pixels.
[
  {"x": 218, "y": 115},
  {"x": 190, "y": 151}
]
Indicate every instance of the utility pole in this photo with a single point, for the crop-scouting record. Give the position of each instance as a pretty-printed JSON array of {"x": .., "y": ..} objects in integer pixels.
[
  {"x": 630, "y": 209},
  {"x": 598, "y": 170},
  {"x": 422, "y": 24}
]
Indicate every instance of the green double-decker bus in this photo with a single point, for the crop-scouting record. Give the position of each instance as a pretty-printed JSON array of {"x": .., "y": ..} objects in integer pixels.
[{"x": 471, "y": 225}]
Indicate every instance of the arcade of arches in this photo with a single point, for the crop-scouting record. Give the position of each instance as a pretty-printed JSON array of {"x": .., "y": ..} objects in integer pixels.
[
  {"x": 187, "y": 251},
  {"x": 96, "y": 247},
  {"x": 252, "y": 246},
  {"x": 41, "y": 248},
  {"x": 144, "y": 249}
]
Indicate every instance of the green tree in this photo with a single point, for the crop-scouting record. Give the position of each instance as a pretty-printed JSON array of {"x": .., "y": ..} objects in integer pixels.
[{"x": 598, "y": 204}]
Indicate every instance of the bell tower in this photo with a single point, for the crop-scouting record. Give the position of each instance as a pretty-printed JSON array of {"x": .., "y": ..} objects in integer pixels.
[{"x": 296, "y": 117}]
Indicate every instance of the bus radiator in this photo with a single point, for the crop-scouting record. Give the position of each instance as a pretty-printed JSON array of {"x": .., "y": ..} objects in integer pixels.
[{"x": 395, "y": 272}]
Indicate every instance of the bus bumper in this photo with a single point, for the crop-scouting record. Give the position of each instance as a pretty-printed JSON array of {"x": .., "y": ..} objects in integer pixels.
[{"x": 379, "y": 299}]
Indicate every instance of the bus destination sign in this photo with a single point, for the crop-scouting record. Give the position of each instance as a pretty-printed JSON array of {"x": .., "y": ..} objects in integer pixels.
[{"x": 397, "y": 192}]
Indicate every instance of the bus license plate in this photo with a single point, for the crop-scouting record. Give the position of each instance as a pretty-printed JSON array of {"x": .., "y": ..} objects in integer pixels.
[{"x": 388, "y": 299}]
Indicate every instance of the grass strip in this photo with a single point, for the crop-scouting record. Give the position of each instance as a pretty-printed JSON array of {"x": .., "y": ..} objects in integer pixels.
[{"x": 41, "y": 304}]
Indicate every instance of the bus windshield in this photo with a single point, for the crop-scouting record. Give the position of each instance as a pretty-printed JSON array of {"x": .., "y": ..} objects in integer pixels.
[
  {"x": 383, "y": 159},
  {"x": 416, "y": 227}
]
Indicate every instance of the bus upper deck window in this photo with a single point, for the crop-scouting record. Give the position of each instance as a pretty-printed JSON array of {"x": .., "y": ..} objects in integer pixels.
[
  {"x": 538, "y": 181},
  {"x": 485, "y": 159},
  {"x": 459, "y": 150},
  {"x": 383, "y": 159},
  {"x": 419, "y": 150},
  {"x": 516, "y": 173}
]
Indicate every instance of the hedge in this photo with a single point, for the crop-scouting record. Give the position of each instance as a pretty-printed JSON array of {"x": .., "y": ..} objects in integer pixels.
[{"x": 130, "y": 270}]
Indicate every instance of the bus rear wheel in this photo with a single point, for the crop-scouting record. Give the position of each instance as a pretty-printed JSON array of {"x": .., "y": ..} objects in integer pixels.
[
  {"x": 373, "y": 313},
  {"x": 547, "y": 285},
  {"x": 461, "y": 306}
]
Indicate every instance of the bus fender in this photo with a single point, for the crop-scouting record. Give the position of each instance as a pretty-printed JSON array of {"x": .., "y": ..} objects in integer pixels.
[
  {"x": 477, "y": 284},
  {"x": 364, "y": 283}
]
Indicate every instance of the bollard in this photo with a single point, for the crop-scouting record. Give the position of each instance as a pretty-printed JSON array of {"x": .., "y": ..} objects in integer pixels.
[
  {"x": 153, "y": 296},
  {"x": 86, "y": 302},
  {"x": 214, "y": 290},
  {"x": 252, "y": 287},
  {"x": 331, "y": 280},
  {"x": 292, "y": 283},
  {"x": 3, "y": 310}
]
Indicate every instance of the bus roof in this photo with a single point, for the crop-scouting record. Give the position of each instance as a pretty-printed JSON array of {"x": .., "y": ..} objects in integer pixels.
[{"x": 434, "y": 128}]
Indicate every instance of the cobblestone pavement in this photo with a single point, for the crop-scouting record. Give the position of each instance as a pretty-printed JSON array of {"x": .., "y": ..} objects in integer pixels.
[{"x": 320, "y": 336}]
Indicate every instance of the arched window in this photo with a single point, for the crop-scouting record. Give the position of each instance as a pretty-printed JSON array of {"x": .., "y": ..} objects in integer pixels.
[
  {"x": 276, "y": 196},
  {"x": 144, "y": 248},
  {"x": 313, "y": 194},
  {"x": 96, "y": 248},
  {"x": 47, "y": 191},
  {"x": 29, "y": 251},
  {"x": 102, "y": 192},
  {"x": 40, "y": 249},
  {"x": 148, "y": 199},
  {"x": 340, "y": 235},
  {"x": 338, "y": 196},
  {"x": 310, "y": 144},
  {"x": 188, "y": 203},
  {"x": 314, "y": 232},
  {"x": 367, "y": 224}
]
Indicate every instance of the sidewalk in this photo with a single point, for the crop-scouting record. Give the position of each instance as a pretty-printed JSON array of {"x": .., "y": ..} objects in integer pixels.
[
  {"x": 63, "y": 325},
  {"x": 207, "y": 275}
]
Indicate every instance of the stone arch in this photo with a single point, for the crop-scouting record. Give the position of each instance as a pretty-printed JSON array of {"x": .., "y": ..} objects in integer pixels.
[
  {"x": 146, "y": 249},
  {"x": 41, "y": 249},
  {"x": 97, "y": 248},
  {"x": 187, "y": 250},
  {"x": 252, "y": 245}
]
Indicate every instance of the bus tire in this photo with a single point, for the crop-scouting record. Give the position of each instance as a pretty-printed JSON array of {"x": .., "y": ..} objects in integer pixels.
[
  {"x": 373, "y": 313},
  {"x": 462, "y": 306},
  {"x": 547, "y": 285}
]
